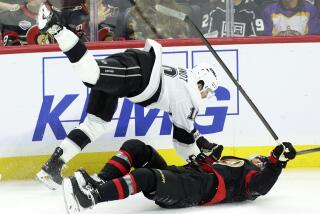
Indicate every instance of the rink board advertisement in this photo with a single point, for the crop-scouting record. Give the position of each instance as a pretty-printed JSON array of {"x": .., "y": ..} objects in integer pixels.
[{"x": 42, "y": 99}]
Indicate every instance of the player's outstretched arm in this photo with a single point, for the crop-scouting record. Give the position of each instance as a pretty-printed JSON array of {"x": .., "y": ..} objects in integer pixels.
[
  {"x": 282, "y": 153},
  {"x": 262, "y": 182}
]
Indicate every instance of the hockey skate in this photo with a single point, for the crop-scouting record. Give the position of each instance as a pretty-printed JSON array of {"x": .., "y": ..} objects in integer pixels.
[
  {"x": 50, "y": 173},
  {"x": 84, "y": 179},
  {"x": 78, "y": 198},
  {"x": 48, "y": 20}
]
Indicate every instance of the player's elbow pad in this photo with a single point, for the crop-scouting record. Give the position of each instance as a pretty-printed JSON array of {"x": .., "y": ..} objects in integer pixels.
[{"x": 87, "y": 68}]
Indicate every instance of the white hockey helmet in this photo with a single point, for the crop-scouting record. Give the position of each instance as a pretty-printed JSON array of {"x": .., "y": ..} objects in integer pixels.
[{"x": 206, "y": 76}]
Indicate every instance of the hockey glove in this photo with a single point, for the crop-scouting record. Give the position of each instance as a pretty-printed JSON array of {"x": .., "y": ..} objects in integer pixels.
[
  {"x": 282, "y": 153},
  {"x": 200, "y": 159},
  {"x": 208, "y": 149}
]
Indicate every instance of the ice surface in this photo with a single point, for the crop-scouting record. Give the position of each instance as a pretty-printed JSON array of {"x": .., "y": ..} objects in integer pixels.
[{"x": 296, "y": 192}]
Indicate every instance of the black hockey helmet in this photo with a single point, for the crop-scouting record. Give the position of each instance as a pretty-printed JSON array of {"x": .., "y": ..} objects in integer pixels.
[{"x": 258, "y": 160}]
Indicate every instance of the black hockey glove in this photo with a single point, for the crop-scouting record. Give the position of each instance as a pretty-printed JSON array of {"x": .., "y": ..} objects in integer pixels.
[
  {"x": 208, "y": 149},
  {"x": 200, "y": 159},
  {"x": 282, "y": 153}
]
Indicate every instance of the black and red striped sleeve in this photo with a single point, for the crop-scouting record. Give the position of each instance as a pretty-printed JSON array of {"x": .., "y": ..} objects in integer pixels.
[{"x": 260, "y": 182}]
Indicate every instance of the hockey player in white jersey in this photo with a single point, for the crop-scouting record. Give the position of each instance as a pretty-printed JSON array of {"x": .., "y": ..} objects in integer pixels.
[{"x": 139, "y": 76}]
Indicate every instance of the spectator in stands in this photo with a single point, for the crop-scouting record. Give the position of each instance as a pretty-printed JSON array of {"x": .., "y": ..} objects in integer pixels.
[
  {"x": 74, "y": 15},
  {"x": 18, "y": 27},
  {"x": 107, "y": 19},
  {"x": 122, "y": 5},
  {"x": 263, "y": 3},
  {"x": 247, "y": 19},
  {"x": 291, "y": 17},
  {"x": 317, "y": 5},
  {"x": 143, "y": 21},
  {"x": 8, "y": 6}
]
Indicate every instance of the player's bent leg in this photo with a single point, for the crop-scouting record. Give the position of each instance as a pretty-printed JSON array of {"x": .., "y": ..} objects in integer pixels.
[
  {"x": 180, "y": 187},
  {"x": 91, "y": 129},
  {"x": 142, "y": 155},
  {"x": 156, "y": 160},
  {"x": 84, "y": 179},
  {"x": 50, "y": 173},
  {"x": 133, "y": 153},
  {"x": 82, "y": 61},
  {"x": 78, "y": 198},
  {"x": 119, "y": 188}
]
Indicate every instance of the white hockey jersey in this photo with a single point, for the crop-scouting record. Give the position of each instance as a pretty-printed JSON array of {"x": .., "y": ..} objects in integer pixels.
[{"x": 181, "y": 98}]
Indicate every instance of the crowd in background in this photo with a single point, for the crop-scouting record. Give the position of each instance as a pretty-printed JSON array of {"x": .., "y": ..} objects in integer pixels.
[{"x": 138, "y": 19}]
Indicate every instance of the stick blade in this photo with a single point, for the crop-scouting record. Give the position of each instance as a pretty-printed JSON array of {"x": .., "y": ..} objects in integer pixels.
[{"x": 170, "y": 12}]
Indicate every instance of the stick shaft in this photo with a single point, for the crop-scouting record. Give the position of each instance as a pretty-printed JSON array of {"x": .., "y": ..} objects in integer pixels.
[
  {"x": 226, "y": 69},
  {"x": 307, "y": 151}
]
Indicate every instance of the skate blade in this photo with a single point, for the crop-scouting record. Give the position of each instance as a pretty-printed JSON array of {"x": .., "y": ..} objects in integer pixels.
[
  {"x": 46, "y": 179},
  {"x": 71, "y": 202}
]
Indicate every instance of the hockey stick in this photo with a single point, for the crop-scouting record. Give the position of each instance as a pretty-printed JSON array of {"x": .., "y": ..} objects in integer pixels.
[
  {"x": 146, "y": 20},
  {"x": 184, "y": 17},
  {"x": 307, "y": 151}
]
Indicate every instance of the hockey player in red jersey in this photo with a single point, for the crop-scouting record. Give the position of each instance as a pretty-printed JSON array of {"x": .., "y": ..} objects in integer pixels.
[
  {"x": 139, "y": 76},
  {"x": 18, "y": 26},
  {"x": 201, "y": 182}
]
